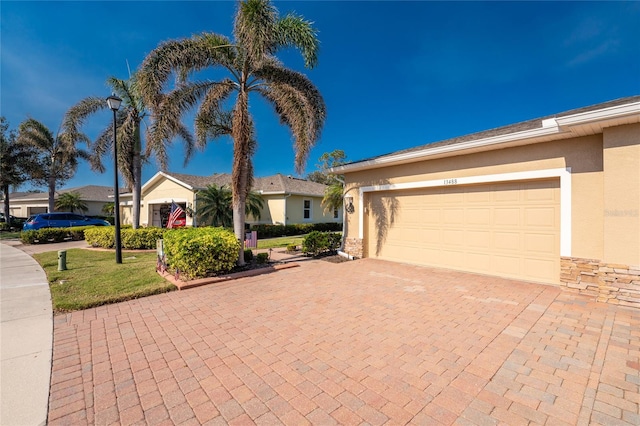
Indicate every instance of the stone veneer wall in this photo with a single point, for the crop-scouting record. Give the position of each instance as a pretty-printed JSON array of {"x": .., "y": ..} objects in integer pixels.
[
  {"x": 607, "y": 282},
  {"x": 353, "y": 247}
]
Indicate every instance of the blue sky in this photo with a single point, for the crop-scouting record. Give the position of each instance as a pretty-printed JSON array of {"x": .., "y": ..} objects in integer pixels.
[{"x": 394, "y": 74}]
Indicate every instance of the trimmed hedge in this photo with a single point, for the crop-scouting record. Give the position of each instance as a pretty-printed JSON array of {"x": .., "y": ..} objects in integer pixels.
[
  {"x": 131, "y": 239},
  {"x": 55, "y": 235},
  {"x": 273, "y": 231},
  {"x": 201, "y": 252},
  {"x": 319, "y": 242}
]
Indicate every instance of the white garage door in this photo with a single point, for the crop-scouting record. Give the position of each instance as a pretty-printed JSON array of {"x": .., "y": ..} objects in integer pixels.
[{"x": 506, "y": 229}]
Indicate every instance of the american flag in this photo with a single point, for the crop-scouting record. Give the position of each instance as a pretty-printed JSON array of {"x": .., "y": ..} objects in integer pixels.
[{"x": 176, "y": 212}]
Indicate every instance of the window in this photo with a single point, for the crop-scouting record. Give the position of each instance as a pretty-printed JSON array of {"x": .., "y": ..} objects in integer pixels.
[
  {"x": 336, "y": 214},
  {"x": 306, "y": 209}
]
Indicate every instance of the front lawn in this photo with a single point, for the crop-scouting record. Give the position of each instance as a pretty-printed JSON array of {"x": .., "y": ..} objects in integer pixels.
[
  {"x": 7, "y": 235},
  {"x": 93, "y": 278},
  {"x": 280, "y": 242}
]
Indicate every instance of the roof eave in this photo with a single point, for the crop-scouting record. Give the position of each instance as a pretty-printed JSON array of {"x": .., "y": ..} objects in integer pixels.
[{"x": 552, "y": 129}]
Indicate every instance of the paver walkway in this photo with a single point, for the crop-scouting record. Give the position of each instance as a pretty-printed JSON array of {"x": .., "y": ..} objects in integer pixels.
[{"x": 358, "y": 342}]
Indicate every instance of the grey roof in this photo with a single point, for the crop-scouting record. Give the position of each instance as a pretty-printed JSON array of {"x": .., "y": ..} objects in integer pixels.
[
  {"x": 277, "y": 183},
  {"x": 87, "y": 193},
  {"x": 505, "y": 130}
]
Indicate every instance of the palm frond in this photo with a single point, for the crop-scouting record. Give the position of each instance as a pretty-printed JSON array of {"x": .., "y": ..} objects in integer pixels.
[
  {"x": 255, "y": 29},
  {"x": 295, "y": 31},
  {"x": 210, "y": 120}
]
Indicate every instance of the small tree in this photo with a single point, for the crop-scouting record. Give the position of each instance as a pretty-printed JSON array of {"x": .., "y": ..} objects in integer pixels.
[
  {"x": 16, "y": 160},
  {"x": 56, "y": 157},
  {"x": 108, "y": 208},
  {"x": 215, "y": 206},
  {"x": 71, "y": 201},
  {"x": 332, "y": 199}
]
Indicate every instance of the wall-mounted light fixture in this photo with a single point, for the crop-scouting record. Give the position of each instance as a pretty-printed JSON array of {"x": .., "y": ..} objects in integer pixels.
[{"x": 348, "y": 204}]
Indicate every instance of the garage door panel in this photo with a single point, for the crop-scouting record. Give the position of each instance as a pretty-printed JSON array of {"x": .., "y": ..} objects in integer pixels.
[
  {"x": 540, "y": 217},
  {"x": 478, "y": 239},
  {"x": 536, "y": 244},
  {"x": 506, "y": 241},
  {"x": 477, "y": 216},
  {"x": 453, "y": 237},
  {"x": 508, "y": 229},
  {"x": 506, "y": 217}
]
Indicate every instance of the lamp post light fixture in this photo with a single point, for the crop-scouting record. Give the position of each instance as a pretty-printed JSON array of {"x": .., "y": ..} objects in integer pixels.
[{"x": 114, "y": 104}]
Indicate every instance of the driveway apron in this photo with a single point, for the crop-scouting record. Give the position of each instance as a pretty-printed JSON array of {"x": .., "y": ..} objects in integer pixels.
[{"x": 357, "y": 342}]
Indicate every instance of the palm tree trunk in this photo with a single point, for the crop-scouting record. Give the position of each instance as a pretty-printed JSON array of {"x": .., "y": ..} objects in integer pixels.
[
  {"x": 5, "y": 192},
  {"x": 241, "y": 138},
  {"x": 137, "y": 179},
  {"x": 52, "y": 194}
]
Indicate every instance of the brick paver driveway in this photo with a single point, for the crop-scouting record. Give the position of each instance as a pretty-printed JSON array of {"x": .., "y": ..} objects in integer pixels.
[{"x": 358, "y": 342}]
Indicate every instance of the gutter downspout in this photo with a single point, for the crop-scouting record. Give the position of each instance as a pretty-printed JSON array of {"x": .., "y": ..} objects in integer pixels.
[
  {"x": 194, "y": 222},
  {"x": 284, "y": 219}
]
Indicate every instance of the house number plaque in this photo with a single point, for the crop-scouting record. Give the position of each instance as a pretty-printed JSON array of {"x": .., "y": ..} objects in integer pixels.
[{"x": 453, "y": 181}]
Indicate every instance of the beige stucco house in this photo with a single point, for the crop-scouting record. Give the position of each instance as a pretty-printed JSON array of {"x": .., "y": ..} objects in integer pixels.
[
  {"x": 25, "y": 204},
  {"x": 287, "y": 200},
  {"x": 553, "y": 200}
]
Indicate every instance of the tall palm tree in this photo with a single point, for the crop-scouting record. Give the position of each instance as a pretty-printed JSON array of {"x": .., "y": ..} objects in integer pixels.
[
  {"x": 215, "y": 203},
  {"x": 71, "y": 201},
  {"x": 57, "y": 156},
  {"x": 16, "y": 161},
  {"x": 251, "y": 67},
  {"x": 128, "y": 122}
]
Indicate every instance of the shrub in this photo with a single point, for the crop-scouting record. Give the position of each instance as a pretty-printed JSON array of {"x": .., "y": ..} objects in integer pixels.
[
  {"x": 199, "y": 252},
  {"x": 131, "y": 239},
  {"x": 319, "y": 242},
  {"x": 248, "y": 255},
  {"x": 29, "y": 237},
  {"x": 272, "y": 231},
  {"x": 141, "y": 238},
  {"x": 4, "y": 226},
  {"x": 262, "y": 258},
  {"x": 292, "y": 247},
  {"x": 100, "y": 236},
  {"x": 77, "y": 232}
]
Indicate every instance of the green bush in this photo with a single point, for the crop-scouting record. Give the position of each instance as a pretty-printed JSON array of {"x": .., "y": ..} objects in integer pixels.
[
  {"x": 292, "y": 247},
  {"x": 131, "y": 239},
  {"x": 200, "y": 252},
  {"x": 4, "y": 226},
  {"x": 319, "y": 242},
  {"x": 262, "y": 258},
  {"x": 272, "y": 231},
  {"x": 141, "y": 238},
  {"x": 29, "y": 237},
  {"x": 248, "y": 255},
  {"x": 100, "y": 236},
  {"x": 77, "y": 232}
]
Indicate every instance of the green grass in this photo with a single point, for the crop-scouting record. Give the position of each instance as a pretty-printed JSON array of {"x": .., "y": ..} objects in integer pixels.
[
  {"x": 93, "y": 278},
  {"x": 280, "y": 242},
  {"x": 5, "y": 235}
]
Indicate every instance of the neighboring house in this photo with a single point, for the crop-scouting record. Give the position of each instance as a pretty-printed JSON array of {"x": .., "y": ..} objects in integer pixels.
[
  {"x": 552, "y": 200},
  {"x": 287, "y": 200},
  {"x": 25, "y": 204}
]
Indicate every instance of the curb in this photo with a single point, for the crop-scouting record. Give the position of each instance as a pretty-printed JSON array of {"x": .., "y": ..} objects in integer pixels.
[{"x": 184, "y": 285}]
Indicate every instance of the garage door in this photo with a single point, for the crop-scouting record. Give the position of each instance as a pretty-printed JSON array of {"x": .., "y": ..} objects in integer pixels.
[{"x": 506, "y": 229}]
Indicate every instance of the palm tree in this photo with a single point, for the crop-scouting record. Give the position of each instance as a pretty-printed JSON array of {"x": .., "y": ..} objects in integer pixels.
[
  {"x": 213, "y": 206},
  {"x": 16, "y": 161},
  {"x": 128, "y": 120},
  {"x": 108, "y": 208},
  {"x": 215, "y": 203},
  {"x": 56, "y": 156},
  {"x": 251, "y": 67},
  {"x": 71, "y": 201}
]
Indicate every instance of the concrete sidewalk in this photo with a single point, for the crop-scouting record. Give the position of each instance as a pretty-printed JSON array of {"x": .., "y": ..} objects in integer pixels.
[{"x": 26, "y": 329}]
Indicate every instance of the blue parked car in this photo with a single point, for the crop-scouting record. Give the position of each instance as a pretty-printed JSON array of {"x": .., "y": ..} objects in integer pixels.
[{"x": 60, "y": 220}]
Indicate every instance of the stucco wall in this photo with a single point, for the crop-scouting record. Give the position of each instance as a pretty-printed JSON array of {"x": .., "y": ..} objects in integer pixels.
[
  {"x": 583, "y": 155},
  {"x": 24, "y": 208},
  {"x": 163, "y": 192},
  {"x": 318, "y": 215},
  {"x": 622, "y": 195}
]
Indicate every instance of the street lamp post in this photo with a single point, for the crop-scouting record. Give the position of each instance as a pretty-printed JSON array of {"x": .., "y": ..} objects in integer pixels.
[{"x": 114, "y": 104}]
